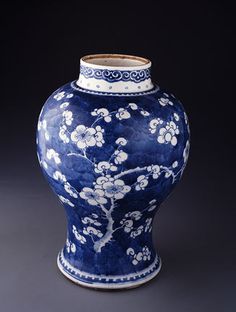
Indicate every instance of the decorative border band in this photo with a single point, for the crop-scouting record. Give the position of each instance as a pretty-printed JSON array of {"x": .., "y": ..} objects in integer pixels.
[
  {"x": 115, "y": 75},
  {"x": 75, "y": 86},
  {"x": 116, "y": 280}
]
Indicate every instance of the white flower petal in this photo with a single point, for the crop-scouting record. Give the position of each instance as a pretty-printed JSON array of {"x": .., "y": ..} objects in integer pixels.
[
  {"x": 92, "y": 202},
  {"x": 174, "y": 141},
  {"x": 126, "y": 188},
  {"x": 160, "y": 139},
  {"x": 119, "y": 196},
  {"x": 81, "y": 144},
  {"x": 133, "y": 106},
  {"x": 119, "y": 182}
]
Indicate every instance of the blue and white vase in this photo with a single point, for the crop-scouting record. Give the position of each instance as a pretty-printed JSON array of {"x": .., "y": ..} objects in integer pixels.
[{"x": 112, "y": 146}]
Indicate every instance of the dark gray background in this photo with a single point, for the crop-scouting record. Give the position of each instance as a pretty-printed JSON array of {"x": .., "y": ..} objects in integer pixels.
[{"x": 191, "y": 46}]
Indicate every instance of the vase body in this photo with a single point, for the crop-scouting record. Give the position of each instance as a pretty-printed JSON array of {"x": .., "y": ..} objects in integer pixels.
[{"x": 112, "y": 147}]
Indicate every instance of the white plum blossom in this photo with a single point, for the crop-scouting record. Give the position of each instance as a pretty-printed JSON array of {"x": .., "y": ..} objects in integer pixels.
[
  {"x": 65, "y": 201},
  {"x": 43, "y": 125},
  {"x": 102, "y": 179},
  {"x": 153, "y": 201},
  {"x": 168, "y": 134},
  {"x": 128, "y": 221},
  {"x": 103, "y": 166},
  {"x": 144, "y": 113},
  {"x": 52, "y": 154},
  {"x": 70, "y": 190},
  {"x": 67, "y": 117},
  {"x": 88, "y": 220},
  {"x": 155, "y": 170},
  {"x": 143, "y": 255},
  {"x": 154, "y": 123},
  {"x": 121, "y": 141},
  {"x": 165, "y": 101},
  {"x": 115, "y": 189},
  {"x": 59, "y": 96},
  {"x": 152, "y": 204},
  {"x": 93, "y": 197},
  {"x": 130, "y": 251},
  {"x": 127, "y": 225},
  {"x": 70, "y": 95},
  {"x": 133, "y": 106},
  {"x": 103, "y": 112},
  {"x": 186, "y": 151},
  {"x": 148, "y": 227},
  {"x": 86, "y": 137},
  {"x": 63, "y": 134},
  {"x": 45, "y": 165},
  {"x": 122, "y": 113},
  {"x": 168, "y": 173},
  {"x": 176, "y": 116},
  {"x": 151, "y": 208},
  {"x": 64, "y": 105},
  {"x": 73, "y": 248},
  {"x": 137, "y": 258},
  {"x": 70, "y": 247},
  {"x": 142, "y": 182},
  {"x": 175, "y": 164},
  {"x": 135, "y": 215},
  {"x": 99, "y": 136},
  {"x": 136, "y": 232},
  {"x": 92, "y": 231},
  {"x": 120, "y": 156},
  {"x": 46, "y": 135},
  {"x": 57, "y": 175},
  {"x": 146, "y": 253},
  {"x": 78, "y": 236}
]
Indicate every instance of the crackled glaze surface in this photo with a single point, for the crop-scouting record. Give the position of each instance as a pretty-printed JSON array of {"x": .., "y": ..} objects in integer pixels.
[{"x": 111, "y": 159}]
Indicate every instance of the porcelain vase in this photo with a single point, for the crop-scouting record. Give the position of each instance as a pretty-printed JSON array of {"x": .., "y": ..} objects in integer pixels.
[{"x": 112, "y": 146}]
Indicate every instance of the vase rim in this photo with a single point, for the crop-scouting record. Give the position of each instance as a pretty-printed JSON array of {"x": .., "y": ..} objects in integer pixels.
[
  {"x": 115, "y": 61},
  {"x": 115, "y": 73}
]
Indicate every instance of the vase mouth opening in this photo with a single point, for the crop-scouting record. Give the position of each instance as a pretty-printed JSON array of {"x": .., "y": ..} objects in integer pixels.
[{"x": 112, "y": 61}]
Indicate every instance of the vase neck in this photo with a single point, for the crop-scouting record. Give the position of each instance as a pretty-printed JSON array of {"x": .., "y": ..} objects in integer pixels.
[{"x": 115, "y": 73}]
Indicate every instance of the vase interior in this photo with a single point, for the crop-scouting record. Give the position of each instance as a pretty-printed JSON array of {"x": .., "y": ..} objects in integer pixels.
[{"x": 115, "y": 60}]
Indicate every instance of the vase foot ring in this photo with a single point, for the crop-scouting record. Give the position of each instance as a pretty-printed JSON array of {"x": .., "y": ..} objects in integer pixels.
[{"x": 72, "y": 273}]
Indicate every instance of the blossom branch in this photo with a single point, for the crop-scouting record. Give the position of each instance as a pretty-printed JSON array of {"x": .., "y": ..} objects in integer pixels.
[
  {"x": 123, "y": 173},
  {"x": 103, "y": 209},
  {"x": 109, "y": 229},
  {"x": 82, "y": 156},
  {"x": 171, "y": 172},
  {"x": 102, "y": 117}
]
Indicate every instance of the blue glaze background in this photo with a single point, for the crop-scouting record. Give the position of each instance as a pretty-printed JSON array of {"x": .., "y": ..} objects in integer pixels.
[{"x": 142, "y": 149}]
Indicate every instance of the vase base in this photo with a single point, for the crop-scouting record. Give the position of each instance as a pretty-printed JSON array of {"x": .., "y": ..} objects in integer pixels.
[{"x": 132, "y": 280}]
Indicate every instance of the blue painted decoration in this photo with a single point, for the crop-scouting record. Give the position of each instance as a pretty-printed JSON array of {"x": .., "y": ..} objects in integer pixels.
[{"x": 111, "y": 158}]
